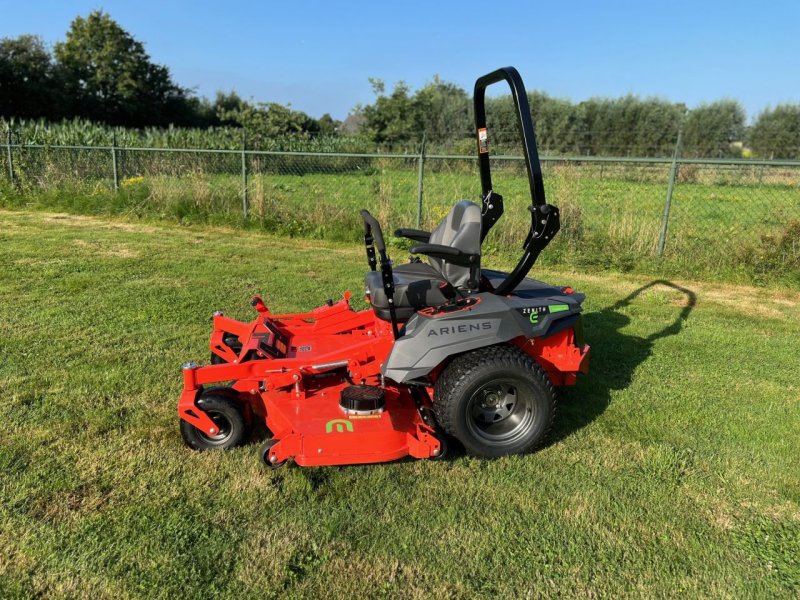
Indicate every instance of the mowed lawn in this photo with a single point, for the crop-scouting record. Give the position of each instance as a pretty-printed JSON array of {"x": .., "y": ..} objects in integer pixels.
[{"x": 673, "y": 469}]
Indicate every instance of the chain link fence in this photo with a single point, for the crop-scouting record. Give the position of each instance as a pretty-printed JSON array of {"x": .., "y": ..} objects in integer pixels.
[{"x": 615, "y": 211}]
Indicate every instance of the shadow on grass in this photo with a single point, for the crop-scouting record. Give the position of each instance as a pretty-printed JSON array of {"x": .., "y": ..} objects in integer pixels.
[{"x": 614, "y": 359}]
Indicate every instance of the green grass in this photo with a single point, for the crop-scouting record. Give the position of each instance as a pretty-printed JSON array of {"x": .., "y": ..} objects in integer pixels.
[
  {"x": 729, "y": 224},
  {"x": 672, "y": 469}
]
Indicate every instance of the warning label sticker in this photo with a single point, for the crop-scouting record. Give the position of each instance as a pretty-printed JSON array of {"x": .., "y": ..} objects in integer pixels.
[{"x": 483, "y": 140}]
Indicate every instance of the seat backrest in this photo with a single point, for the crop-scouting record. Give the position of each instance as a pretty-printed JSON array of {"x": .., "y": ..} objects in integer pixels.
[{"x": 460, "y": 229}]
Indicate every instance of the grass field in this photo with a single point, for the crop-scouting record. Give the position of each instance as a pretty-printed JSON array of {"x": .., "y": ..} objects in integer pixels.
[
  {"x": 739, "y": 224},
  {"x": 672, "y": 471}
]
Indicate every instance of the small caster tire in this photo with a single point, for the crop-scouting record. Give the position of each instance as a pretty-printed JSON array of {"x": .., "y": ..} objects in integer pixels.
[
  {"x": 263, "y": 454},
  {"x": 444, "y": 449},
  {"x": 226, "y": 414}
]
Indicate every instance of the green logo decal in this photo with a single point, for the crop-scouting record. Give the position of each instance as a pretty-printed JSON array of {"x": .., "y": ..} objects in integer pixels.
[
  {"x": 534, "y": 312},
  {"x": 338, "y": 425}
]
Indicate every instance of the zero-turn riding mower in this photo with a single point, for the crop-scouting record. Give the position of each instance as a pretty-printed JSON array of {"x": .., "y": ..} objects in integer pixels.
[{"x": 446, "y": 348}]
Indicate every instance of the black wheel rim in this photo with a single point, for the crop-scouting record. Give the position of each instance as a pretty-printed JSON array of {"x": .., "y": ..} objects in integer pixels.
[
  {"x": 265, "y": 455},
  {"x": 224, "y": 429},
  {"x": 501, "y": 411}
]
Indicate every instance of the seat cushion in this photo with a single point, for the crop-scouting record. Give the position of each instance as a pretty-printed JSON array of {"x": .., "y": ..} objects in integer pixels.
[{"x": 416, "y": 285}]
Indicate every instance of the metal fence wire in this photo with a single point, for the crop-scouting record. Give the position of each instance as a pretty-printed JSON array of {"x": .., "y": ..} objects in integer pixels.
[{"x": 635, "y": 208}]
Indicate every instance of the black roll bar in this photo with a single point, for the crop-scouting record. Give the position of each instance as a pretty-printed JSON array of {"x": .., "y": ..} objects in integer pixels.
[
  {"x": 544, "y": 217},
  {"x": 510, "y": 75}
]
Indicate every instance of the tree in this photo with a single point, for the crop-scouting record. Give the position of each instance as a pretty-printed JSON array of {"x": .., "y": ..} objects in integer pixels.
[
  {"x": 621, "y": 126},
  {"x": 501, "y": 120},
  {"x": 392, "y": 118},
  {"x": 328, "y": 125},
  {"x": 227, "y": 104},
  {"x": 110, "y": 77},
  {"x": 27, "y": 79},
  {"x": 776, "y": 132},
  {"x": 629, "y": 126},
  {"x": 711, "y": 129},
  {"x": 264, "y": 121},
  {"x": 557, "y": 121},
  {"x": 442, "y": 110}
]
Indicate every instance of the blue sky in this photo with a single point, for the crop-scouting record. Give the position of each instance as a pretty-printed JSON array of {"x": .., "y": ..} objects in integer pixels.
[{"x": 318, "y": 55}]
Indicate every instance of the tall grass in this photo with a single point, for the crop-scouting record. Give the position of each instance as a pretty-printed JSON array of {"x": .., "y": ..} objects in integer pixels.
[{"x": 723, "y": 222}]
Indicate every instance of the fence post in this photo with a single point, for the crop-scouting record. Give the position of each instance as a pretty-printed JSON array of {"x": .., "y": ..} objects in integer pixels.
[
  {"x": 673, "y": 171},
  {"x": 114, "y": 160},
  {"x": 420, "y": 179},
  {"x": 8, "y": 154},
  {"x": 244, "y": 175}
]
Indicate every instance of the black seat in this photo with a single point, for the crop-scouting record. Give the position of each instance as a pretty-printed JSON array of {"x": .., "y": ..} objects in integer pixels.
[{"x": 417, "y": 284}]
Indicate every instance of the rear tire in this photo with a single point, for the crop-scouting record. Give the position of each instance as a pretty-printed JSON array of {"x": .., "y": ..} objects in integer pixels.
[
  {"x": 227, "y": 414},
  {"x": 496, "y": 401}
]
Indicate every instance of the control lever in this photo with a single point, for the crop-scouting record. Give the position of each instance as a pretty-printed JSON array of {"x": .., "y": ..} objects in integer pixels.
[{"x": 448, "y": 291}]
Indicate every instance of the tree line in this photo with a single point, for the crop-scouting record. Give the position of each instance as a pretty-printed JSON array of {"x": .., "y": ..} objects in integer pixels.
[
  {"x": 101, "y": 73},
  {"x": 626, "y": 126}
]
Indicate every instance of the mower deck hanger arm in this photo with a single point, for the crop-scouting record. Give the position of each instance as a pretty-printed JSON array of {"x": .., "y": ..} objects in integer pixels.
[{"x": 544, "y": 217}]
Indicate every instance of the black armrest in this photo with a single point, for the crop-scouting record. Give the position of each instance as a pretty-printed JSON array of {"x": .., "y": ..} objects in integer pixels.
[
  {"x": 413, "y": 234},
  {"x": 448, "y": 253}
]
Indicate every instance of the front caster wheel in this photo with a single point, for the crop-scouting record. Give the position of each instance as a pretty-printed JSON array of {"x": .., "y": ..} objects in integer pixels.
[
  {"x": 263, "y": 454},
  {"x": 227, "y": 415},
  {"x": 444, "y": 448}
]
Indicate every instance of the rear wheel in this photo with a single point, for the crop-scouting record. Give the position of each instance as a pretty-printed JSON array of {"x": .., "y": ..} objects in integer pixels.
[
  {"x": 495, "y": 401},
  {"x": 226, "y": 414}
]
